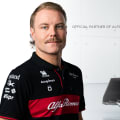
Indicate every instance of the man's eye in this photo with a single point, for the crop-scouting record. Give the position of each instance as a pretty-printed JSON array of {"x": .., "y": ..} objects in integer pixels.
[
  {"x": 44, "y": 27},
  {"x": 59, "y": 26}
]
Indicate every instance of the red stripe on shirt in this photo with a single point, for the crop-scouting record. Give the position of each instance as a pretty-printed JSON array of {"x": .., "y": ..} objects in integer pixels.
[
  {"x": 7, "y": 118},
  {"x": 58, "y": 105},
  {"x": 59, "y": 78}
]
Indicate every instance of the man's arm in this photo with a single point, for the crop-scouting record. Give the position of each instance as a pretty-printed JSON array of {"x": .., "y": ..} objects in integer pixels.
[{"x": 80, "y": 116}]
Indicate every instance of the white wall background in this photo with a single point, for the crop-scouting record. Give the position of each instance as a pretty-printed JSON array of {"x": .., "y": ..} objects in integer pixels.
[{"x": 95, "y": 50}]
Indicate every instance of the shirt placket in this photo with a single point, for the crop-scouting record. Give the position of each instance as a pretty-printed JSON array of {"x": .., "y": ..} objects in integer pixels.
[{"x": 60, "y": 76}]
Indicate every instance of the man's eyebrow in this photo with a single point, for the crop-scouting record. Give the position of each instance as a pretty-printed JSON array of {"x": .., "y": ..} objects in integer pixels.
[
  {"x": 48, "y": 24},
  {"x": 43, "y": 24},
  {"x": 60, "y": 24}
]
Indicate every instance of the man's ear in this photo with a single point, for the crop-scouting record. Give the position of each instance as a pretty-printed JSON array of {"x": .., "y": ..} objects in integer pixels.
[
  {"x": 66, "y": 29},
  {"x": 32, "y": 33}
]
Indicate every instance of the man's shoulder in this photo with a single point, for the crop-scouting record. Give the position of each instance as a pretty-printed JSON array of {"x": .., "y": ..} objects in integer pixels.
[
  {"x": 22, "y": 68},
  {"x": 72, "y": 67}
]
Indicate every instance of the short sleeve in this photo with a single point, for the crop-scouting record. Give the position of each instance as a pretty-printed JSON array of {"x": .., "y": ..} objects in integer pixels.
[
  {"x": 82, "y": 100},
  {"x": 14, "y": 97}
]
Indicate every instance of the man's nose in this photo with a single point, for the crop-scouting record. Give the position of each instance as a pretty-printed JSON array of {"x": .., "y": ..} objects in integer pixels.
[{"x": 52, "y": 32}]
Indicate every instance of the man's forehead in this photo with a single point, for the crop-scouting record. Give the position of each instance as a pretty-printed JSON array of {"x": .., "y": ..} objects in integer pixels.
[
  {"x": 49, "y": 17},
  {"x": 47, "y": 14}
]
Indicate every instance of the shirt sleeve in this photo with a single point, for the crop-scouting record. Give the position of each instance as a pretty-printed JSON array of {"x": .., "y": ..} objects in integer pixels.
[
  {"x": 82, "y": 100},
  {"x": 14, "y": 97}
]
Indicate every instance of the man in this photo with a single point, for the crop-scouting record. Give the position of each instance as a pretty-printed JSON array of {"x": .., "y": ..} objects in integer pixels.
[{"x": 45, "y": 87}]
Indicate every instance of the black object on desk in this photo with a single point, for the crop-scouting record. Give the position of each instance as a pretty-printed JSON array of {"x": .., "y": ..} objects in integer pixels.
[{"x": 112, "y": 93}]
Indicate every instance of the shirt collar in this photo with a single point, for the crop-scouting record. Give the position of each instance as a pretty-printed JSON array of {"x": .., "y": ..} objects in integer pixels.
[{"x": 44, "y": 64}]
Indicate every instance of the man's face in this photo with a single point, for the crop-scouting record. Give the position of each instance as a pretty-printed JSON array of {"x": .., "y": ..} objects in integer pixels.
[{"x": 49, "y": 31}]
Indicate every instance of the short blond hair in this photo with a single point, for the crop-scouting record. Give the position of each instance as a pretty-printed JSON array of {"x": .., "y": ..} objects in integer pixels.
[{"x": 47, "y": 5}]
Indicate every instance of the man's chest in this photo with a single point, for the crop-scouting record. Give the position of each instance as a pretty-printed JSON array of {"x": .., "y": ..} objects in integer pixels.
[
  {"x": 53, "y": 83},
  {"x": 54, "y": 93}
]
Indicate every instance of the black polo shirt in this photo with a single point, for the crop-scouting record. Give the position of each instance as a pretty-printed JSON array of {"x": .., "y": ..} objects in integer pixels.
[{"x": 38, "y": 90}]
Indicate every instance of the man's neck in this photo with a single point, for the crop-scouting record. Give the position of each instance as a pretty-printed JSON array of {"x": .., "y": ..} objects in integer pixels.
[{"x": 52, "y": 59}]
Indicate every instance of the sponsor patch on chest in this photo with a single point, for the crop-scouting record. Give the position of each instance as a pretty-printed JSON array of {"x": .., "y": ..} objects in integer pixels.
[
  {"x": 47, "y": 81},
  {"x": 44, "y": 74}
]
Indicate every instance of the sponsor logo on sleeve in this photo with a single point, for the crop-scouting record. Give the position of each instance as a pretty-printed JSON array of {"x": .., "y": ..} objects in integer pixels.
[
  {"x": 16, "y": 77},
  {"x": 10, "y": 83},
  {"x": 7, "y": 90},
  {"x": 10, "y": 90},
  {"x": 8, "y": 97}
]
